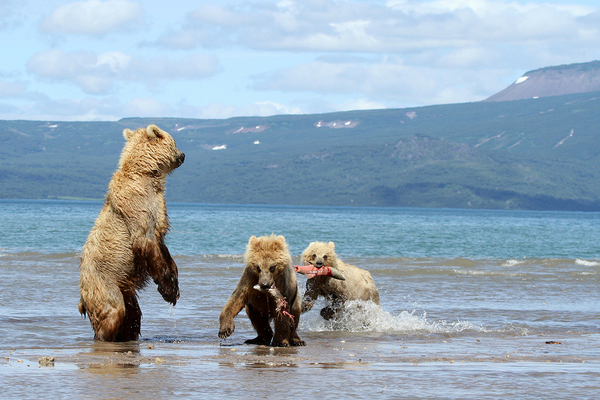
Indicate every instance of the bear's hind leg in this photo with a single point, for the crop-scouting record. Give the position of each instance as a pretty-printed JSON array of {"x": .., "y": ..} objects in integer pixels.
[
  {"x": 103, "y": 303},
  {"x": 107, "y": 324},
  {"x": 260, "y": 322},
  {"x": 132, "y": 321}
]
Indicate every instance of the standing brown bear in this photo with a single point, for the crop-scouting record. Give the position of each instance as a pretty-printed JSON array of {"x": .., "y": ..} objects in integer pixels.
[
  {"x": 127, "y": 247},
  {"x": 268, "y": 278},
  {"x": 358, "y": 283}
]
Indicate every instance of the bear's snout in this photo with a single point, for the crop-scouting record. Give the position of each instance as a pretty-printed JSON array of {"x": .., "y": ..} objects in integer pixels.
[
  {"x": 180, "y": 159},
  {"x": 265, "y": 286}
]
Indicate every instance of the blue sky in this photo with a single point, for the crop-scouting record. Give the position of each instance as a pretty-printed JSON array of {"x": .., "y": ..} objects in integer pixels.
[{"x": 105, "y": 60}]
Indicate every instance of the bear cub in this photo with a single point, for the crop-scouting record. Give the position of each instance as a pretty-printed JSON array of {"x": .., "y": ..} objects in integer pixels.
[
  {"x": 268, "y": 264},
  {"x": 358, "y": 284}
]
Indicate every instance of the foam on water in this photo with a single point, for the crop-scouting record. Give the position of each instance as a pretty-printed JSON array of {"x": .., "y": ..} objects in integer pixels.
[
  {"x": 231, "y": 257},
  {"x": 512, "y": 263},
  {"x": 587, "y": 263},
  {"x": 361, "y": 316},
  {"x": 484, "y": 273}
]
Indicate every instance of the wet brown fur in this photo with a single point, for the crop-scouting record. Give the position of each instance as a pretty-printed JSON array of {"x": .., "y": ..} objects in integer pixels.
[
  {"x": 268, "y": 262},
  {"x": 125, "y": 248},
  {"x": 359, "y": 284}
]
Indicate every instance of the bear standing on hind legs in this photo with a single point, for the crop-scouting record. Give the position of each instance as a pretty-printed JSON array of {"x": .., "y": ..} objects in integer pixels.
[
  {"x": 358, "y": 283},
  {"x": 269, "y": 290},
  {"x": 126, "y": 247}
]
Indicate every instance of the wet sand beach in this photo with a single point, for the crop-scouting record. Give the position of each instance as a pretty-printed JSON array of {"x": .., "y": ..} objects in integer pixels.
[{"x": 331, "y": 366}]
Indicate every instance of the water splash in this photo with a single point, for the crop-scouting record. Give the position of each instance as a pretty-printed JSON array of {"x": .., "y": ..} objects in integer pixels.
[
  {"x": 172, "y": 313},
  {"x": 361, "y": 316}
]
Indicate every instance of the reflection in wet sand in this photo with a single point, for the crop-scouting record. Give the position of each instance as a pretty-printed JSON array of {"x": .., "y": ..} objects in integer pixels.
[{"x": 258, "y": 356}]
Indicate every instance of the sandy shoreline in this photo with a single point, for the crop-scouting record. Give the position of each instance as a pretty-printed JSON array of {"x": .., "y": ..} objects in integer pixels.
[
  {"x": 322, "y": 351},
  {"x": 342, "y": 366}
]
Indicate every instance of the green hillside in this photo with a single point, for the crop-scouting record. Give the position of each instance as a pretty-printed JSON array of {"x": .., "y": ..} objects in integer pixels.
[{"x": 527, "y": 154}]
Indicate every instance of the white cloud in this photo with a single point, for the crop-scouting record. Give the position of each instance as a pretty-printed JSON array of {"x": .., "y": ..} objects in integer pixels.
[
  {"x": 299, "y": 55},
  {"x": 11, "y": 89},
  {"x": 5, "y": 9},
  {"x": 146, "y": 107},
  {"x": 383, "y": 82},
  {"x": 97, "y": 73},
  {"x": 111, "y": 108},
  {"x": 181, "y": 40},
  {"x": 360, "y": 104},
  {"x": 11, "y": 14},
  {"x": 86, "y": 109},
  {"x": 216, "y": 15},
  {"x": 93, "y": 17},
  {"x": 482, "y": 8},
  {"x": 261, "y": 109},
  {"x": 397, "y": 26}
]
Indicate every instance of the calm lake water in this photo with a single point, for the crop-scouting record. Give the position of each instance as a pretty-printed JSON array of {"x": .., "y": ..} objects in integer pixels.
[{"x": 474, "y": 304}]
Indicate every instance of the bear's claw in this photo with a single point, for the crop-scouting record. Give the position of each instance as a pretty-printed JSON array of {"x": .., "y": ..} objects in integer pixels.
[
  {"x": 226, "y": 329},
  {"x": 170, "y": 291}
]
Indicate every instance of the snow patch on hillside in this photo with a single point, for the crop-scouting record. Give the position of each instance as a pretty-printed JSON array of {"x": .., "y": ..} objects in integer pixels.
[
  {"x": 521, "y": 80},
  {"x": 336, "y": 124}
]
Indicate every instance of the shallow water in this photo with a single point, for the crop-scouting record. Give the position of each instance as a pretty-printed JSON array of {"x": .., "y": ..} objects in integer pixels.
[{"x": 474, "y": 304}]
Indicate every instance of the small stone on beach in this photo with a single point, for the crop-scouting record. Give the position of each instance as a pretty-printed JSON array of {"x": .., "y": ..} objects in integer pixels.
[{"x": 47, "y": 361}]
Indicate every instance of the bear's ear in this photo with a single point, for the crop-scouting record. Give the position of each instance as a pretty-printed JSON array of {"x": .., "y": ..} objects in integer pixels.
[
  {"x": 281, "y": 240},
  {"x": 154, "y": 132},
  {"x": 332, "y": 245},
  {"x": 253, "y": 240},
  {"x": 128, "y": 134}
]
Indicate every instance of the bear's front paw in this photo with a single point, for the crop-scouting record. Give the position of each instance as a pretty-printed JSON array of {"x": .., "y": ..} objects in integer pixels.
[
  {"x": 169, "y": 290},
  {"x": 280, "y": 343},
  {"x": 297, "y": 342},
  {"x": 328, "y": 313},
  {"x": 226, "y": 329}
]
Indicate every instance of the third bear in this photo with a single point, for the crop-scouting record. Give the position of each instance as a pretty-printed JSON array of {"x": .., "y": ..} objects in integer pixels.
[{"x": 358, "y": 283}]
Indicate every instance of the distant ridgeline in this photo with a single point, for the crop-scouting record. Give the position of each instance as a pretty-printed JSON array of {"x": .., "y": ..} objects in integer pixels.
[
  {"x": 536, "y": 154},
  {"x": 553, "y": 81}
]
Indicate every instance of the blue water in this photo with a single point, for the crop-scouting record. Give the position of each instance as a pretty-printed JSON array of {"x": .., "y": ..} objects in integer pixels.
[
  {"x": 474, "y": 304},
  {"x": 198, "y": 229}
]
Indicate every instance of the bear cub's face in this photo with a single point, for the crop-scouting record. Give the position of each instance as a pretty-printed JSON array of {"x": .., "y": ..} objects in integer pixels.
[
  {"x": 267, "y": 258},
  {"x": 266, "y": 270},
  {"x": 320, "y": 254}
]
